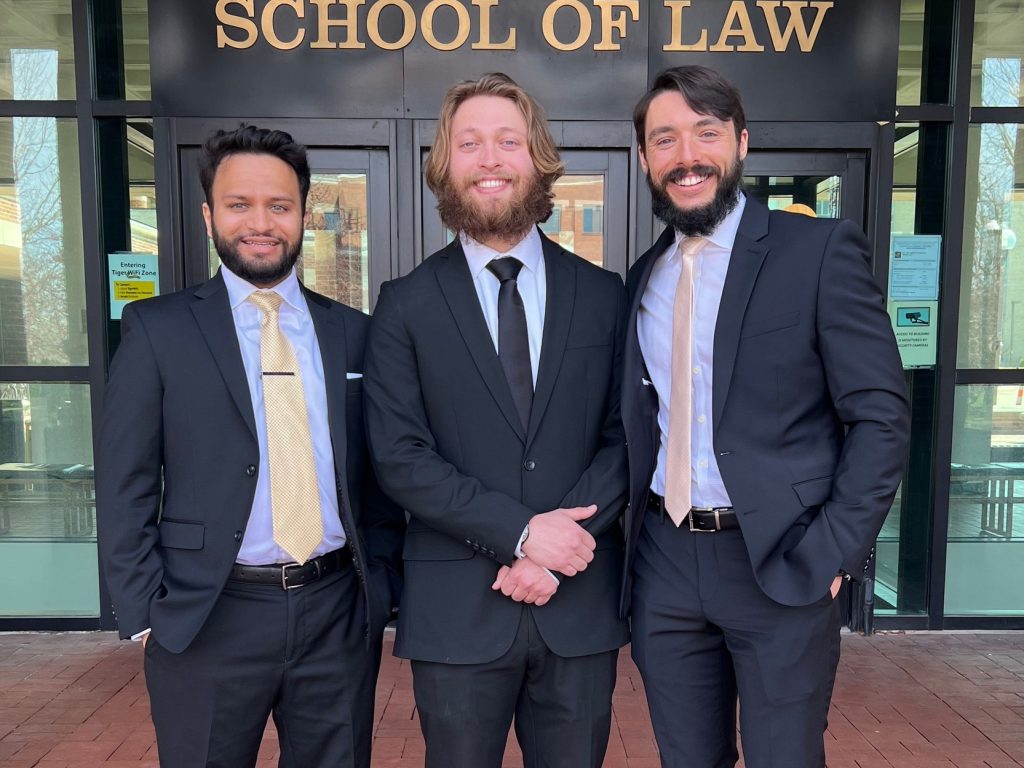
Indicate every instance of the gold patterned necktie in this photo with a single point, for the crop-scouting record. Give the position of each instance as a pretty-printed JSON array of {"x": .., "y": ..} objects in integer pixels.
[
  {"x": 678, "y": 496},
  {"x": 294, "y": 493}
]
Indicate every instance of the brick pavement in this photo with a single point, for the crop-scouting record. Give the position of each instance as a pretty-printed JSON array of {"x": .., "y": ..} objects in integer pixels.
[{"x": 918, "y": 700}]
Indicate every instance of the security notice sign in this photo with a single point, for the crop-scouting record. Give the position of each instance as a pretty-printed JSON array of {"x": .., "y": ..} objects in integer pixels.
[
  {"x": 132, "y": 276},
  {"x": 914, "y": 297}
]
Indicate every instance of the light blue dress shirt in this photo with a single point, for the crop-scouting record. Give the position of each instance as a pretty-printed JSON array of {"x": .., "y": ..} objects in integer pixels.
[
  {"x": 654, "y": 329},
  {"x": 258, "y": 545}
]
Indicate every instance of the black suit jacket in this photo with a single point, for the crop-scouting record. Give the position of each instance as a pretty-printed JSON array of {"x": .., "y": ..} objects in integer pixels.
[
  {"x": 449, "y": 447},
  {"x": 178, "y": 461},
  {"x": 809, "y": 404}
]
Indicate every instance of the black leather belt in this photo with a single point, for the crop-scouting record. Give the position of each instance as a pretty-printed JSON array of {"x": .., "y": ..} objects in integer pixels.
[
  {"x": 700, "y": 519},
  {"x": 291, "y": 575}
]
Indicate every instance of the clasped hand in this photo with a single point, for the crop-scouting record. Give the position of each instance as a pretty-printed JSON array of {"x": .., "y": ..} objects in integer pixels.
[{"x": 558, "y": 542}]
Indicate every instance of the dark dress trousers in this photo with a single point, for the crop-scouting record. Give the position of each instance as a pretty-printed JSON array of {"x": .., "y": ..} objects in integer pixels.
[
  {"x": 177, "y": 472},
  {"x": 810, "y": 428},
  {"x": 449, "y": 446}
]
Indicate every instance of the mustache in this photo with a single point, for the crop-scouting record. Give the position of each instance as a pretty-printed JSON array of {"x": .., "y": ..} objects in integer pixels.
[{"x": 679, "y": 173}]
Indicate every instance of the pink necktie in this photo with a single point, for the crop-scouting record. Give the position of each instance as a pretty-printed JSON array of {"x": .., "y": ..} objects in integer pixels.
[{"x": 678, "y": 464}]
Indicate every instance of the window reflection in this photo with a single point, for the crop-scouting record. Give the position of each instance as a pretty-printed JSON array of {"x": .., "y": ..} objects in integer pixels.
[
  {"x": 41, "y": 64},
  {"x": 986, "y": 516},
  {"x": 42, "y": 292},
  {"x": 998, "y": 54},
  {"x": 908, "y": 82},
  {"x": 992, "y": 296},
  {"x": 47, "y": 501}
]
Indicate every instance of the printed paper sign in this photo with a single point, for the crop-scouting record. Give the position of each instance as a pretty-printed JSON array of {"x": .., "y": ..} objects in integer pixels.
[{"x": 132, "y": 276}]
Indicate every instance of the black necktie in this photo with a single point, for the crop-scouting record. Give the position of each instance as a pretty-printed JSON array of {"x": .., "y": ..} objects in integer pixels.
[{"x": 513, "y": 338}]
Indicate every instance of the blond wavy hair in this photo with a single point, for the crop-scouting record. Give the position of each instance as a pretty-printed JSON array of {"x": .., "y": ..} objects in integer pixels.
[{"x": 543, "y": 149}]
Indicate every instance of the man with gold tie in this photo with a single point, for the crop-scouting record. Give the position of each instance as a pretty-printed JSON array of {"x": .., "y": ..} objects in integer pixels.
[{"x": 243, "y": 536}]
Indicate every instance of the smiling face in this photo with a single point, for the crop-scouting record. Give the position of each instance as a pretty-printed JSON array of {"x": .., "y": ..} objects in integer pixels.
[
  {"x": 693, "y": 162},
  {"x": 256, "y": 220},
  {"x": 493, "y": 192}
]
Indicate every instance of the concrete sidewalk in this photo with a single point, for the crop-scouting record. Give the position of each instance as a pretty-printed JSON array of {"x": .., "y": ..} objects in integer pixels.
[{"x": 918, "y": 700}]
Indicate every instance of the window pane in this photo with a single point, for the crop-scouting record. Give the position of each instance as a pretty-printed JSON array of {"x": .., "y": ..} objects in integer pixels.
[
  {"x": 998, "y": 54},
  {"x": 42, "y": 279},
  {"x": 335, "y": 246},
  {"x": 992, "y": 292},
  {"x": 908, "y": 81},
  {"x": 47, "y": 501},
  {"x": 985, "y": 546},
  {"x": 813, "y": 195},
  {"x": 141, "y": 186},
  {"x": 135, "y": 28},
  {"x": 577, "y": 223},
  {"x": 37, "y": 54}
]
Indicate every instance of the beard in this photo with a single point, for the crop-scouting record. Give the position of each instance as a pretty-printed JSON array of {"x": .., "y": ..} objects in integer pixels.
[
  {"x": 702, "y": 221},
  {"x": 258, "y": 272},
  {"x": 530, "y": 205}
]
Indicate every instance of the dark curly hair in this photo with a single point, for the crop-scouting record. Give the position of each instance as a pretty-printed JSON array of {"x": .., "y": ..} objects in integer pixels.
[{"x": 248, "y": 139}]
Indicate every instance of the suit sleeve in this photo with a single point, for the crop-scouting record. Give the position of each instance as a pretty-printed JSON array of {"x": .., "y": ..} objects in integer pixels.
[
  {"x": 129, "y": 477},
  {"x": 606, "y": 481},
  {"x": 868, "y": 389},
  {"x": 409, "y": 468},
  {"x": 384, "y": 531}
]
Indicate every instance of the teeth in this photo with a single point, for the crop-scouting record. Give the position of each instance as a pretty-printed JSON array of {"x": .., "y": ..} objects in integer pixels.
[
  {"x": 690, "y": 181},
  {"x": 491, "y": 183}
]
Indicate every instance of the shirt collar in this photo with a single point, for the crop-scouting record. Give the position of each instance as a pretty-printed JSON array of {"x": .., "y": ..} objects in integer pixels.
[
  {"x": 724, "y": 235},
  {"x": 529, "y": 250},
  {"x": 239, "y": 289}
]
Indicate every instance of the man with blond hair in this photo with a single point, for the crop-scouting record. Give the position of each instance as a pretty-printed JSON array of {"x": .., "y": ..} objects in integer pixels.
[{"x": 492, "y": 388}]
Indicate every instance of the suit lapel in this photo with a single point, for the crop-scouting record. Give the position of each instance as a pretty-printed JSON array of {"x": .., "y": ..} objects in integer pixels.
[
  {"x": 212, "y": 311},
  {"x": 330, "y": 337},
  {"x": 459, "y": 292},
  {"x": 558, "y": 307},
  {"x": 748, "y": 254}
]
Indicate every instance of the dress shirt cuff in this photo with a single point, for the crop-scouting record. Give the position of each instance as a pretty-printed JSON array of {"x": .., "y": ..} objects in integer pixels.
[
  {"x": 137, "y": 637},
  {"x": 522, "y": 540}
]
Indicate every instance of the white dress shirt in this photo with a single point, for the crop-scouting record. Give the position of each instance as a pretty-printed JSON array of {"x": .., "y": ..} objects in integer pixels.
[
  {"x": 258, "y": 545},
  {"x": 532, "y": 282},
  {"x": 654, "y": 329}
]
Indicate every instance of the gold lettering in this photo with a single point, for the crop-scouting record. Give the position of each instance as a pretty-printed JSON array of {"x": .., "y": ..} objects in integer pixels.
[
  {"x": 348, "y": 23},
  {"x": 267, "y": 23},
  {"x": 484, "y": 43},
  {"x": 616, "y": 23},
  {"x": 427, "y": 24},
  {"x": 737, "y": 15},
  {"x": 675, "y": 42},
  {"x": 238, "y": 22},
  {"x": 780, "y": 39},
  {"x": 549, "y": 24},
  {"x": 408, "y": 24}
]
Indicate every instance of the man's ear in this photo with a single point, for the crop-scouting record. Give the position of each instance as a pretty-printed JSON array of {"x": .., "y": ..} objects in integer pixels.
[
  {"x": 208, "y": 218},
  {"x": 643, "y": 159}
]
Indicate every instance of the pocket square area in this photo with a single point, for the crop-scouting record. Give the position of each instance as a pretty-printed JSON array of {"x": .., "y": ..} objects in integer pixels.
[{"x": 351, "y": 375}]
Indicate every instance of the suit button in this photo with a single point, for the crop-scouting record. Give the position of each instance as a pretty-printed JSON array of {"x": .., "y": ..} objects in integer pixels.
[
  {"x": 529, "y": 465},
  {"x": 238, "y": 535},
  {"x": 251, "y": 470}
]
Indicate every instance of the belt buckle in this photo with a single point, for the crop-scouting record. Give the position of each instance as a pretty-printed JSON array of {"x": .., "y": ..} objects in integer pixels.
[
  {"x": 718, "y": 520},
  {"x": 284, "y": 576}
]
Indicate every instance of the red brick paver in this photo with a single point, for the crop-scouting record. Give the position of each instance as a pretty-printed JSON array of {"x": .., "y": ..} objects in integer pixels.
[{"x": 919, "y": 700}]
